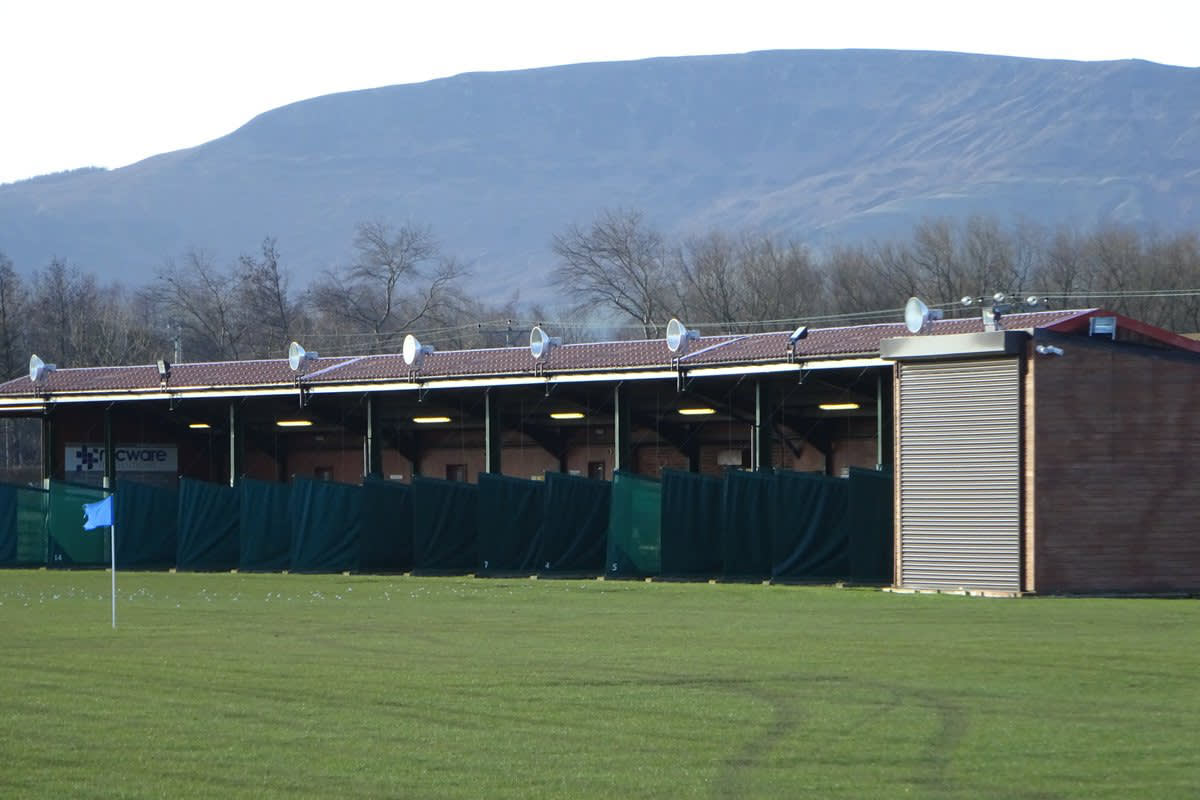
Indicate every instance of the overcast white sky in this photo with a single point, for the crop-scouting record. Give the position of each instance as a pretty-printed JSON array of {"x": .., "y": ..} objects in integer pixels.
[{"x": 110, "y": 82}]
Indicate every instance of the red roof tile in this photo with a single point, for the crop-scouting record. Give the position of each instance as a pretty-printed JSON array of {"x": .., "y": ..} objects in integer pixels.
[{"x": 820, "y": 343}]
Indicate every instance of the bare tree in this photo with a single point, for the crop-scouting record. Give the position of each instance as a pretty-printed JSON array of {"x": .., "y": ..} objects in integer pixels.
[
  {"x": 1065, "y": 272},
  {"x": 13, "y": 299},
  {"x": 987, "y": 259},
  {"x": 396, "y": 281},
  {"x": 933, "y": 251},
  {"x": 203, "y": 300},
  {"x": 618, "y": 263},
  {"x": 780, "y": 282},
  {"x": 264, "y": 293},
  {"x": 708, "y": 290}
]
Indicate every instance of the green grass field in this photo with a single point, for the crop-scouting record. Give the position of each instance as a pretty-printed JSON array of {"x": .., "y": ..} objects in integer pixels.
[{"x": 332, "y": 686}]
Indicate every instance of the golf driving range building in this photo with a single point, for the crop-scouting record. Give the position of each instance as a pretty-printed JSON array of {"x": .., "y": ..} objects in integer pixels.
[{"x": 1050, "y": 453}]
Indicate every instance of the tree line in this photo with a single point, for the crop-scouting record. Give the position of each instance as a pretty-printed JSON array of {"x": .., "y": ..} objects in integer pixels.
[{"x": 617, "y": 275}]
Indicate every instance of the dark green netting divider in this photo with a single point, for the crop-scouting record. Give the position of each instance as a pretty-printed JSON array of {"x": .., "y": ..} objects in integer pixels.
[
  {"x": 209, "y": 518},
  {"x": 387, "y": 536},
  {"x": 574, "y": 524},
  {"x": 691, "y": 524},
  {"x": 265, "y": 527},
  {"x": 33, "y": 536},
  {"x": 23, "y": 538},
  {"x": 444, "y": 525},
  {"x": 510, "y": 512},
  {"x": 810, "y": 534},
  {"x": 327, "y": 524},
  {"x": 145, "y": 518},
  {"x": 634, "y": 527},
  {"x": 8, "y": 524},
  {"x": 870, "y": 523},
  {"x": 747, "y": 524},
  {"x": 69, "y": 543}
]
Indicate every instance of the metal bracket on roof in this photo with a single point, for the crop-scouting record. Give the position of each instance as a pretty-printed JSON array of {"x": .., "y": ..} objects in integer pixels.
[
  {"x": 303, "y": 392},
  {"x": 681, "y": 377},
  {"x": 422, "y": 390}
]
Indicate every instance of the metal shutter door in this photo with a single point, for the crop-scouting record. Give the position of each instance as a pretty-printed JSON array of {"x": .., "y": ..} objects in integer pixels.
[{"x": 960, "y": 475}]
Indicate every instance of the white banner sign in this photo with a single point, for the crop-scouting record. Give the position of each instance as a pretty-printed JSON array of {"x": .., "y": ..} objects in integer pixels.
[{"x": 129, "y": 458}]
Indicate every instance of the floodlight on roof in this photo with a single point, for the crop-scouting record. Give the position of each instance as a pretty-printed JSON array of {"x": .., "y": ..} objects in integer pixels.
[
  {"x": 38, "y": 369},
  {"x": 916, "y": 315},
  {"x": 541, "y": 343},
  {"x": 414, "y": 352},
  {"x": 678, "y": 336},
  {"x": 298, "y": 356},
  {"x": 798, "y": 334},
  {"x": 164, "y": 369}
]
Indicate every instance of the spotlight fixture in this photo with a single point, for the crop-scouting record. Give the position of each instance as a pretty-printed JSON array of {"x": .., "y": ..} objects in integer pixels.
[
  {"x": 678, "y": 336},
  {"x": 164, "y": 369},
  {"x": 541, "y": 343},
  {"x": 298, "y": 356},
  {"x": 414, "y": 352},
  {"x": 38, "y": 369}
]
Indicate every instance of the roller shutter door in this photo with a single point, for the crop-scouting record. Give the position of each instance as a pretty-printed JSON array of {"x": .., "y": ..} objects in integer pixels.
[{"x": 960, "y": 475}]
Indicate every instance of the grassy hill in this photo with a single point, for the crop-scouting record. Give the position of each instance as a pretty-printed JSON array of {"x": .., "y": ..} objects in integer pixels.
[{"x": 815, "y": 145}]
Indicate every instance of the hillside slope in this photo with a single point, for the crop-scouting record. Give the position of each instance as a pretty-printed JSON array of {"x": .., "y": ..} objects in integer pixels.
[{"x": 816, "y": 145}]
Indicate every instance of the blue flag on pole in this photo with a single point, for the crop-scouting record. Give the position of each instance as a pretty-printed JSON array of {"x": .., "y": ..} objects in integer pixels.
[{"x": 98, "y": 514}]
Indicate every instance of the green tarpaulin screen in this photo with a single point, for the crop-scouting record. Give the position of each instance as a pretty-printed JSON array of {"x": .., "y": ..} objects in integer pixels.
[
  {"x": 634, "y": 527},
  {"x": 209, "y": 517},
  {"x": 871, "y": 524},
  {"x": 8, "y": 524},
  {"x": 145, "y": 518},
  {"x": 265, "y": 528},
  {"x": 574, "y": 524},
  {"x": 327, "y": 523},
  {"x": 810, "y": 533},
  {"x": 510, "y": 518},
  {"x": 23, "y": 538},
  {"x": 444, "y": 525},
  {"x": 387, "y": 534},
  {"x": 691, "y": 524},
  {"x": 747, "y": 524},
  {"x": 69, "y": 543}
]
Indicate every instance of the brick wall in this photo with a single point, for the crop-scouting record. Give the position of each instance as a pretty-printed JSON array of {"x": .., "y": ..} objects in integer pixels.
[{"x": 1114, "y": 503}]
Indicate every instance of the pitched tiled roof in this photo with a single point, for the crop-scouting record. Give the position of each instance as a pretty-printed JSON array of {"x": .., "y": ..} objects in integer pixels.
[{"x": 756, "y": 348}]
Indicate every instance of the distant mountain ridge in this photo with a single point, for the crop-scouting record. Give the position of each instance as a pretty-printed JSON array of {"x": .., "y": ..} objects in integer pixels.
[{"x": 814, "y": 145}]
